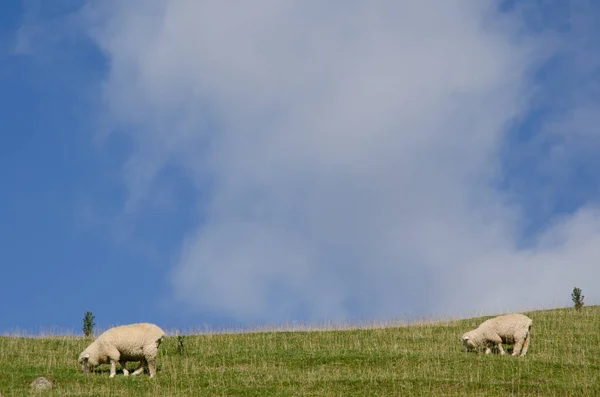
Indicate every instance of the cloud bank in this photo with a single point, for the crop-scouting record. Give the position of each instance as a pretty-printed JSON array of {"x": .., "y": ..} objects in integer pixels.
[{"x": 349, "y": 156}]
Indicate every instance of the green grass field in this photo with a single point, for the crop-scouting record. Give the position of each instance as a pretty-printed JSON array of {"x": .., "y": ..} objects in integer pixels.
[{"x": 563, "y": 360}]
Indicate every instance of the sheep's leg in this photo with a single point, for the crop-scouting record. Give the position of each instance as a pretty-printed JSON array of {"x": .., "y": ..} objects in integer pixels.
[
  {"x": 500, "y": 349},
  {"x": 495, "y": 340},
  {"x": 124, "y": 366},
  {"x": 150, "y": 356},
  {"x": 140, "y": 369},
  {"x": 151, "y": 365},
  {"x": 113, "y": 368},
  {"x": 114, "y": 356},
  {"x": 526, "y": 344},
  {"x": 518, "y": 346},
  {"x": 488, "y": 349}
]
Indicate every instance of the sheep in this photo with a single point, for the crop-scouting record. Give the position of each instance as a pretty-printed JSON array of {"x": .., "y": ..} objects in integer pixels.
[
  {"x": 133, "y": 342},
  {"x": 511, "y": 328}
]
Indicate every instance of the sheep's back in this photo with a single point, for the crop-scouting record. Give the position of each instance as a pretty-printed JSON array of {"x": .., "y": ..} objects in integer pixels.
[{"x": 510, "y": 324}]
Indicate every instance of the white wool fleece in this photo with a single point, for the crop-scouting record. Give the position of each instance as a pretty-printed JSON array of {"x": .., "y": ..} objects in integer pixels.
[
  {"x": 134, "y": 342},
  {"x": 511, "y": 329}
]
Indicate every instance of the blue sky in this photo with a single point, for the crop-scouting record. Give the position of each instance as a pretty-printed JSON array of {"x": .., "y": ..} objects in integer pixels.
[{"x": 195, "y": 165}]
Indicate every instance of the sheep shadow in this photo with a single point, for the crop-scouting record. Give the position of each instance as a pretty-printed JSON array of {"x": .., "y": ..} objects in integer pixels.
[
  {"x": 507, "y": 349},
  {"x": 131, "y": 366}
]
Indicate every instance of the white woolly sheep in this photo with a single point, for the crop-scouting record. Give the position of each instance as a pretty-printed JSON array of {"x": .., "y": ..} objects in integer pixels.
[
  {"x": 511, "y": 329},
  {"x": 134, "y": 342}
]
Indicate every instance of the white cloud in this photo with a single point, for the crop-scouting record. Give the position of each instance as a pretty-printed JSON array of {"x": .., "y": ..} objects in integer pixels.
[{"x": 352, "y": 149}]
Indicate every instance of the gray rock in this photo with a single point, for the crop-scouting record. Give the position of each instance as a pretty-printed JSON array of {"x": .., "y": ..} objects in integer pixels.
[{"x": 41, "y": 384}]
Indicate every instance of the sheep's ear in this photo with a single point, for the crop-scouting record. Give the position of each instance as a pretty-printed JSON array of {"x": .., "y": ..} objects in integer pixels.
[
  {"x": 465, "y": 338},
  {"x": 87, "y": 356}
]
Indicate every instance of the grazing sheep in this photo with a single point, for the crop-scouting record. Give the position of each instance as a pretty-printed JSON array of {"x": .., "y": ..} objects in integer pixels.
[
  {"x": 134, "y": 342},
  {"x": 511, "y": 328}
]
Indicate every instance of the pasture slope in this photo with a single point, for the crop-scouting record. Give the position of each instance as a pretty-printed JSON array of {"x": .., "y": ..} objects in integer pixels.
[{"x": 415, "y": 360}]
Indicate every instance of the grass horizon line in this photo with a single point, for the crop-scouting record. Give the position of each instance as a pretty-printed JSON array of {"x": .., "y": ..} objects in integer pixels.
[{"x": 57, "y": 332}]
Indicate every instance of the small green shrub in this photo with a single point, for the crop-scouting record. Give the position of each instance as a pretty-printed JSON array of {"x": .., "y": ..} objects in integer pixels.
[
  {"x": 577, "y": 298},
  {"x": 180, "y": 346},
  {"x": 88, "y": 324}
]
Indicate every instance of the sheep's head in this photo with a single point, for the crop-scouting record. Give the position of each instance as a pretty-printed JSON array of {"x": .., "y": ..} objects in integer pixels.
[
  {"x": 468, "y": 342},
  {"x": 87, "y": 362}
]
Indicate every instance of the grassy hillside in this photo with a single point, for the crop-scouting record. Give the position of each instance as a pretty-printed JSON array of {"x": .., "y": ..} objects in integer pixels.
[{"x": 563, "y": 360}]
